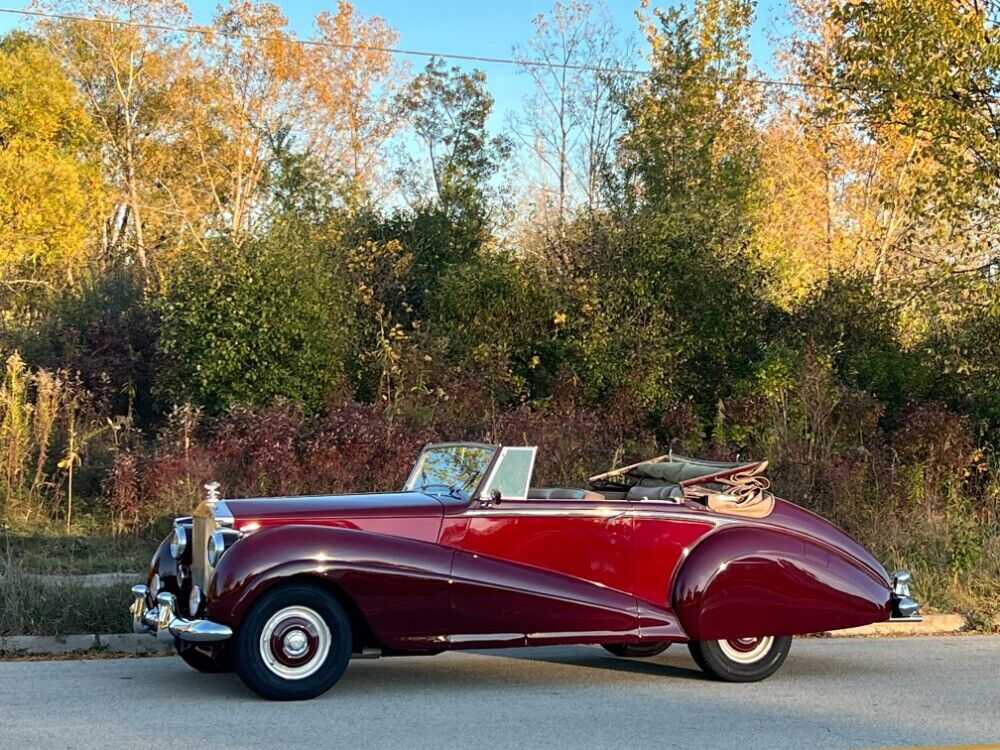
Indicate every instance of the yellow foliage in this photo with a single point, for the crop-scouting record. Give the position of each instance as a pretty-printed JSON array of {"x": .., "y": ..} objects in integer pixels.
[
  {"x": 834, "y": 198},
  {"x": 50, "y": 192}
]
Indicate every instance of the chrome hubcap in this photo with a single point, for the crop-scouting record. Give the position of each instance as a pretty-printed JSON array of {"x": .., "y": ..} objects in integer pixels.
[
  {"x": 295, "y": 642},
  {"x": 746, "y": 650}
]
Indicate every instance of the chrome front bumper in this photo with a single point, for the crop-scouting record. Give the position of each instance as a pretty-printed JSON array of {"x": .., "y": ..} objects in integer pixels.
[
  {"x": 904, "y": 607},
  {"x": 162, "y": 621}
]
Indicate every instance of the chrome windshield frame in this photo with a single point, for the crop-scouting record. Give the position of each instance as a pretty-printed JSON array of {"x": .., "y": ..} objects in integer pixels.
[{"x": 473, "y": 493}]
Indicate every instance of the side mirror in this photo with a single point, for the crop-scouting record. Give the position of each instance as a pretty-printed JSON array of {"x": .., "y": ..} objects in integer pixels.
[{"x": 492, "y": 499}]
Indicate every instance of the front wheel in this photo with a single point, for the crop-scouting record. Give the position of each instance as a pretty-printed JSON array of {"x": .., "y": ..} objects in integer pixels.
[
  {"x": 636, "y": 650},
  {"x": 741, "y": 659},
  {"x": 293, "y": 644}
]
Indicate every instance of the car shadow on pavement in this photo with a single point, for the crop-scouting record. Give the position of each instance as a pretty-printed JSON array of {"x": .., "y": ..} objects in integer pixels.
[
  {"x": 597, "y": 658},
  {"x": 445, "y": 673},
  {"x": 497, "y": 669}
]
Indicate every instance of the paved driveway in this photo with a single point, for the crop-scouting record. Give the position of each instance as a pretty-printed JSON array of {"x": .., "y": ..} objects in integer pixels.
[{"x": 831, "y": 693}]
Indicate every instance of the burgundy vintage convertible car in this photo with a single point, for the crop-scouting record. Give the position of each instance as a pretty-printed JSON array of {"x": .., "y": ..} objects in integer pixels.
[{"x": 470, "y": 555}]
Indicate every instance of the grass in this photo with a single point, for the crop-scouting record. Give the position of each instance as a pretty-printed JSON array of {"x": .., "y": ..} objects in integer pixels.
[
  {"x": 30, "y": 607},
  {"x": 77, "y": 555}
]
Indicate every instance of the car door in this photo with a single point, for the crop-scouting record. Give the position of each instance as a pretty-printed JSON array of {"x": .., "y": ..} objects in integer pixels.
[{"x": 539, "y": 570}]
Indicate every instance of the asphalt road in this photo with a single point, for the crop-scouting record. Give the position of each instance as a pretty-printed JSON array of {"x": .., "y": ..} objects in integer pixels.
[{"x": 831, "y": 693}]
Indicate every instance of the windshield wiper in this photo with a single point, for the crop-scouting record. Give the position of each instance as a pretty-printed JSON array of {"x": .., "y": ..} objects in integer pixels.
[{"x": 453, "y": 490}]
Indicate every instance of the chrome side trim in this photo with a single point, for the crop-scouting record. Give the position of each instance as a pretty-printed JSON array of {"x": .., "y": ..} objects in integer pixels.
[
  {"x": 511, "y": 638},
  {"x": 506, "y": 510}
]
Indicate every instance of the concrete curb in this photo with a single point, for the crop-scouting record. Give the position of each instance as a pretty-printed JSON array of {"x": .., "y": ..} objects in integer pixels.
[
  {"x": 931, "y": 625},
  {"x": 114, "y": 643}
]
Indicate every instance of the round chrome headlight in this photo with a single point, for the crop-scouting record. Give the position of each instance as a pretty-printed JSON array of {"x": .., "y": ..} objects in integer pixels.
[
  {"x": 179, "y": 542},
  {"x": 216, "y": 546},
  {"x": 194, "y": 601}
]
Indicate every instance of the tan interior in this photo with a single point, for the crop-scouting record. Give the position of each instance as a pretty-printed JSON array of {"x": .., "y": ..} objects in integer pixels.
[{"x": 758, "y": 506}]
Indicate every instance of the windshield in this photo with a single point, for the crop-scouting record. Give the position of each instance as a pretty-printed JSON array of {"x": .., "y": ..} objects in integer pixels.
[{"x": 450, "y": 468}]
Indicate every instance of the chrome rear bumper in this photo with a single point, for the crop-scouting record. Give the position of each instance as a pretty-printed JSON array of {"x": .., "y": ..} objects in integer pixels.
[
  {"x": 904, "y": 607},
  {"x": 162, "y": 621}
]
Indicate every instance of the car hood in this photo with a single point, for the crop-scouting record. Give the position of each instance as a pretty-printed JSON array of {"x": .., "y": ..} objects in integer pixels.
[{"x": 303, "y": 509}]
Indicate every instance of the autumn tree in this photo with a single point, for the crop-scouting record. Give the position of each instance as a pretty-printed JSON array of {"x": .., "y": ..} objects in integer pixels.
[
  {"x": 931, "y": 77},
  {"x": 354, "y": 81},
  {"x": 247, "y": 86},
  {"x": 50, "y": 178},
  {"x": 258, "y": 90},
  {"x": 125, "y": 72},
  {"x": 572, "y": 118},
  {"x": 448, "y": 110},
  {"x": 836, "y": 192}
]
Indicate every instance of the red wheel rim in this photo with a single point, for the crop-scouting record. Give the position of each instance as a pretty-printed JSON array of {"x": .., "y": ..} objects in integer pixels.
[
  {"x": 744, "y": 645},
  {"x": 747, "y": 650},
  {"x": 294, "y": 641}
]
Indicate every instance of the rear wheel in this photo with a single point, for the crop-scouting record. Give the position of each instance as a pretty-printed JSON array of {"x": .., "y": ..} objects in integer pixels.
[
  {"x": 741, "y": 659},
  {"x": 636, "y": 650},
  {"x": 294, "y": 643}
]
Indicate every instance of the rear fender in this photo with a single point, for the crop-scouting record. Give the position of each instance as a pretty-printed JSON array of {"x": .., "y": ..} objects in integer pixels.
[
  {"x": 398, "y": 585},
  {"x": 743, "y": 581}
]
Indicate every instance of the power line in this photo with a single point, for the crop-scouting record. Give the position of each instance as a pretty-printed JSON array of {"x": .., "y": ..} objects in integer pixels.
[
  {"x": 521, "y": 62},
  {"x": 203, "y": 31}
]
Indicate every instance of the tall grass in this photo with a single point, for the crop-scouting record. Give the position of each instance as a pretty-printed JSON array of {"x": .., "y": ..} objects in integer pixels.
[
  {"x": 29, "y": 606},
  {"x": 48, "y": 424}
]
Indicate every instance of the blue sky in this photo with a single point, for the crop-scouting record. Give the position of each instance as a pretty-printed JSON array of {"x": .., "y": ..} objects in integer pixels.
[{"x": 471, "y": 27}]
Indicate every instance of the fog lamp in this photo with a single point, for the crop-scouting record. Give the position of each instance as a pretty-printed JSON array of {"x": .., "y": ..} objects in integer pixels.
[{"x": 194, "y": 601}]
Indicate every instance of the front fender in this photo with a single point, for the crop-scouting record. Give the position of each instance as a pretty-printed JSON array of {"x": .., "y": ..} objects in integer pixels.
[
  {"x": 744, "y": 581},
  {"x": 398, "y": 585}
]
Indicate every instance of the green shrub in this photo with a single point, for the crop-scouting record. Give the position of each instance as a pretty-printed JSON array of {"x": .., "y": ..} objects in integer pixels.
[{"x": 247, "y": 324}]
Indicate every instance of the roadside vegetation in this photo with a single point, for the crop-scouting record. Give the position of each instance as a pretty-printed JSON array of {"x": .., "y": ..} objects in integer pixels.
[{"x": 233, "y": 257}]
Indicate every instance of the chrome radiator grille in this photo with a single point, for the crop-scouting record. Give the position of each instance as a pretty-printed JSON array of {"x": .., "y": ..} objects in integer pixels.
[{"x": 202, "y": 528}]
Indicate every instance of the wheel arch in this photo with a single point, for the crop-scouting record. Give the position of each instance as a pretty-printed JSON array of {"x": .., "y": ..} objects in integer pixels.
[{"x": 362, "y": 633}]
